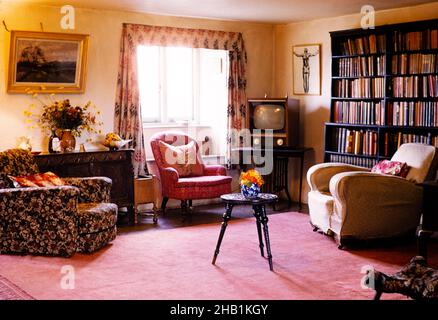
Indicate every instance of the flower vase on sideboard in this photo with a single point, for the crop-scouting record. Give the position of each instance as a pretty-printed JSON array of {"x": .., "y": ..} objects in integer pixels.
[{"x": 68, "y": 141}]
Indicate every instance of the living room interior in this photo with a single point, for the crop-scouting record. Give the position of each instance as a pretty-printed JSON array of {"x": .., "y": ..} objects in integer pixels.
[{"x": 308, "y": 134}]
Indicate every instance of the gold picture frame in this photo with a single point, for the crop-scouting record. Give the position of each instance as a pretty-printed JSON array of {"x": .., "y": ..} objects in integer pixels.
[
  {"x": 306, "y": 69},
  {"x": 47, "y": 62}
]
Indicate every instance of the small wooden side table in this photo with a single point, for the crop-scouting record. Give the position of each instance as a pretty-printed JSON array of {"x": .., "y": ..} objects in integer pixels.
[
  {"x": 259, "y": 211},
  {"x": 146, "y": 191},
  {"x": 278, "y": 180},
  {"x": 429, "y": 223}
]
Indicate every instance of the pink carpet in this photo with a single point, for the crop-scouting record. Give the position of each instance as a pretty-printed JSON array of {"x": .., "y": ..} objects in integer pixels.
[
  {"x": 176, "y": 264},
  {"x": 9, "y": 291}
]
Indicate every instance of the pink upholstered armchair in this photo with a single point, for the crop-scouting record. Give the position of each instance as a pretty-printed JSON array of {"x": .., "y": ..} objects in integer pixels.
[{"x": 206, "y": 182}]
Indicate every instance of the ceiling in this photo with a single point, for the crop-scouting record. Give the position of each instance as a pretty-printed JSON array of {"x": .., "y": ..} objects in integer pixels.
[{"x": 267, "y": 11}]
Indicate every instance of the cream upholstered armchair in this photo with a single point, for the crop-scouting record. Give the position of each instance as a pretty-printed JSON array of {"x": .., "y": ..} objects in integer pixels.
[{"x": 350, "y": 202}]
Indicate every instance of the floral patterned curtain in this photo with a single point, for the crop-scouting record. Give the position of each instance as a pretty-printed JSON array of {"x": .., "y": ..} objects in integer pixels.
[{"x": 128, "y": 110}]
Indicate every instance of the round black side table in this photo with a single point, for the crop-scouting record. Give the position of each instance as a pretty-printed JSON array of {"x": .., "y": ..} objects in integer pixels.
[{"x": 259, "y": 211}]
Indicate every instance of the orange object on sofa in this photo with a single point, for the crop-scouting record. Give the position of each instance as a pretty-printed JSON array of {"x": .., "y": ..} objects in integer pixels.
[{"x": 183, "y": 175}]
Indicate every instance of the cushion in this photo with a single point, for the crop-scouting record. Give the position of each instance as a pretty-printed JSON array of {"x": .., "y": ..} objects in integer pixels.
[
  {"x": 96, "y": 217},
  {"x": 421, "y": 159},
  {"x": 48, "y": 179},
  {"x": 204, "y": 181},
  {"x": 395, "y": 168},
  {"x": 184, "y": 159}
]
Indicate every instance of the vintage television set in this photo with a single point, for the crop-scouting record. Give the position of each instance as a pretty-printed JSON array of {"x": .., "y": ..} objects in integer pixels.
[{"x": 281, "y": 115}]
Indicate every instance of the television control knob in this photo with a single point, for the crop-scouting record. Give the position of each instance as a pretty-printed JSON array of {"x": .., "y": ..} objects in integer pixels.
[
  {"x": 256, "y": 141},
  {"x": 280, "y": 142}
]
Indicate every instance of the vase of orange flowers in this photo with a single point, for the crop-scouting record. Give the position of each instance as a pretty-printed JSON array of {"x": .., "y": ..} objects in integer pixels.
[{"x": 250, "y": 183}]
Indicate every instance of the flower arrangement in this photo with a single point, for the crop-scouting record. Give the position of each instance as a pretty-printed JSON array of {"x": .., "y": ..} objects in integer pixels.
[
  {"x": 59, "y": 115},
  {"x": 250, "y": 183}
]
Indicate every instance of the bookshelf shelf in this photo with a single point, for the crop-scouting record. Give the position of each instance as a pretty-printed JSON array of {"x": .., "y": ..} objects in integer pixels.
[
  {"x": 351, "y": 154},
  {"x": 359, "y": 99},
  {"x": 425, "y": 51},
  {"x": 400, "y": 85},
  {"x": 358, "y": 77},
  {"x": 412, "y": 74},
  {"x": 357, "y": 55},
  {"x": 412, "y": 98},
  {"x": 349, "y": 125}
]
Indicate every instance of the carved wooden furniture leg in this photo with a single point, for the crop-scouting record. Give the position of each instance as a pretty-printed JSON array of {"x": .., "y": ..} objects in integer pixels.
[
  {"x": 132, "y": 216},
  {"x": 184, "y": 209},
  {"x": 155, "y": 218},
  {"x": 259, "y": 228},
  {"x": 163, "y": 204},
  {"x": 264, "y": 221},
  {"x": 136, "y": 213},
  {"x": 226, "y": 217}
]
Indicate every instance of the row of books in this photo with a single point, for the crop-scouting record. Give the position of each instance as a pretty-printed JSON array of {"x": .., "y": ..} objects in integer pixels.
[
  {"x": 419, "y": 113},
  {"x": 364, "y": 45},
  {"x": 414, "y": 63},
  {"x": 357, "y": 161},
  {"x": 359, "y": 112},
  {"x": 417, "y": 40},
  {"x": 360, "y": 88},
  {"x": 356, "y": 141},
  {"x": 361, "y": 66},
  {"x": 416, "y": 138},
  {"x": 393, "y": 141},
  {"x": 415, "y": 86}
]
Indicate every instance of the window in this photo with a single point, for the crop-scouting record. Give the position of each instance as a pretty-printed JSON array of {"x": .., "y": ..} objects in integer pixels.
[{"x": 179, "y": 85}]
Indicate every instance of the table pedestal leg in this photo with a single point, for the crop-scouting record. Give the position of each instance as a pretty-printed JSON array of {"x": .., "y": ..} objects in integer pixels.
[
  {"x": 226, "y": 217},
  {"x": 264, "y": 221},
  {"x": 259, "y": 228}
]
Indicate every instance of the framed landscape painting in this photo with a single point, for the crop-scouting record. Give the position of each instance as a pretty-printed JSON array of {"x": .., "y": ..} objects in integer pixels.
[
  {"x": 306, "y": 60},
  {"x": 47, "y": 62}
]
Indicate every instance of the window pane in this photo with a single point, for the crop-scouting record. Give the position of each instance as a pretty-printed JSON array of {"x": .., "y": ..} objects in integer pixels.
[
  {"x": 148, "y": 63},
  {"x": 213, "y": 95},
  {"x": 179, "y": 79}
]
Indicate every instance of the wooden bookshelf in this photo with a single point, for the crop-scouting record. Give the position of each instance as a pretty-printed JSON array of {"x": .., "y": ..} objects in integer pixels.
[{"x": 384, "y": 91}]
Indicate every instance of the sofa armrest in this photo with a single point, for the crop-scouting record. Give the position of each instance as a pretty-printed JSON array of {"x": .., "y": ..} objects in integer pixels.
[
  {"x": 214, "y": 170},
  {"x": 319, "y": 175},
  {"x": 391, "y": 203},
  {"x": 92, "y": 189},
  {"x": 169, "y": 174},
  {"x": 39, "y": 220}
]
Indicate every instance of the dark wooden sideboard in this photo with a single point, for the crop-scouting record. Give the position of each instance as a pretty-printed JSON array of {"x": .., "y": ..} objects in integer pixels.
[{"x": 116, "y": 165}]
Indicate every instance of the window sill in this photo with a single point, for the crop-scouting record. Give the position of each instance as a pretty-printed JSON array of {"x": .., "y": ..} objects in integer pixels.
[{"x": 172, "y": 125}]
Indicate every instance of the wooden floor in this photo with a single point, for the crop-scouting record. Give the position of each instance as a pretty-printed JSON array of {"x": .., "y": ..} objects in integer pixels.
[{"x": 200, "y": 215}]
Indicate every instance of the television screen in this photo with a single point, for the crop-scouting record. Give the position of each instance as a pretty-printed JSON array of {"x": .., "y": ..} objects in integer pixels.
[{"x": 269, "y": 116}]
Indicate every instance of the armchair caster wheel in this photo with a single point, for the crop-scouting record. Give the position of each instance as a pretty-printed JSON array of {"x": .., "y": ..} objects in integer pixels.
[{"x": 155, "y": 220}]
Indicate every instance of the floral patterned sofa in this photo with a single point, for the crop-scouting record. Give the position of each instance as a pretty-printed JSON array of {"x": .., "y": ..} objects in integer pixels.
[{"x": 53, "y": 220}]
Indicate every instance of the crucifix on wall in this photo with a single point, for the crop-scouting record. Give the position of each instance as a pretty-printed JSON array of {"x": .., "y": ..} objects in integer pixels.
[{"x": 306, "y": 69}]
